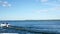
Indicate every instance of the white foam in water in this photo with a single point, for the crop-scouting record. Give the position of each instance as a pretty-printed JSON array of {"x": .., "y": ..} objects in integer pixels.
[{"x": 9, "y": 33}]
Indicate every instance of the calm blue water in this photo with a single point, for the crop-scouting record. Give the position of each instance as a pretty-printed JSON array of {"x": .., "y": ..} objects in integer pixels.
[{"x": 42, "y": 26}]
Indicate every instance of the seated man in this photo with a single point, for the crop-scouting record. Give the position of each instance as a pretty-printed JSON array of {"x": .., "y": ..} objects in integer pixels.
[{"x": 7, "y": 25}]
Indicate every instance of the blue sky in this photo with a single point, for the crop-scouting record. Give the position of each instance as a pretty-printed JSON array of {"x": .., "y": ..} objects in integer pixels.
[{"x": 29, "y": 9}]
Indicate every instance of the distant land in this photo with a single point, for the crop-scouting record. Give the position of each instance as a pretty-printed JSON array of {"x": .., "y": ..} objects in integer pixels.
[{"x": 32, "y": 20}]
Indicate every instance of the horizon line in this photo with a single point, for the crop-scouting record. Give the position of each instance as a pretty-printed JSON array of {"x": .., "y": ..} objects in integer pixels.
[{"x": 31, "y": 19}]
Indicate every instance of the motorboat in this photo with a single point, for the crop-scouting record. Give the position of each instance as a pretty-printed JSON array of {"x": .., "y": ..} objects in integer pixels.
[{"x": 4, "y": 25}]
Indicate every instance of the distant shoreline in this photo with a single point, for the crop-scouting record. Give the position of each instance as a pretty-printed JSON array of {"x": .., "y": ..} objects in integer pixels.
[{"x": 32, "y": 20}]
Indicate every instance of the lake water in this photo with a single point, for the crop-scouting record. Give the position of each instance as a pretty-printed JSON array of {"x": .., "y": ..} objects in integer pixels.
[{"x": 48, "y": 26}]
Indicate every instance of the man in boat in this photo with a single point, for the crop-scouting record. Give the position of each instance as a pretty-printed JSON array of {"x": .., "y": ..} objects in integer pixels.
[{"x": 7, "y": 25}]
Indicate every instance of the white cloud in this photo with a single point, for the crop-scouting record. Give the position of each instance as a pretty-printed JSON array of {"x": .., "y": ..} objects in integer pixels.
[
  {"x": 50, "y": 13},
  {"x": 41, "y": 0},
  {"x": 5, "y": 4},
  {"x": 42, "y": 11},
  {"x": 55, "y": 8},
  {"x": 49, "y": 10}
]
